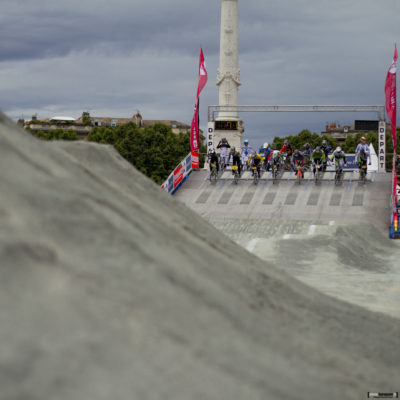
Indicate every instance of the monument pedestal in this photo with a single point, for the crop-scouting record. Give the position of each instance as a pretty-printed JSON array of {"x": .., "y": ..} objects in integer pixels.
[
  {"x": 233, "y": 136},
  {"x": 223, "y": 129}
]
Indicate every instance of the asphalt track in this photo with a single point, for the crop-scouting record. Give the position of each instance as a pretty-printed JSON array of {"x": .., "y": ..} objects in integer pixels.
[
  {"x": 333, "y": 237},
  {"x": 112, "y": 289}
]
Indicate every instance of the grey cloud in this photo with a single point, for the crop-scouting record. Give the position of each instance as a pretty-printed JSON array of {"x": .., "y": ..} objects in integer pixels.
[
  {"x": 56, "y": 29},
  {"x": 116, "y": 57}
]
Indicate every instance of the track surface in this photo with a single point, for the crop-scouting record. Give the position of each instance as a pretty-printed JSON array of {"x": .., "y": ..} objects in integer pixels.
[{"x": 332, "y": 237}]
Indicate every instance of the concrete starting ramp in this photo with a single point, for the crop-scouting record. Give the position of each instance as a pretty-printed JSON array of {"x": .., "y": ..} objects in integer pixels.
[{"x": 286, "y": 199}]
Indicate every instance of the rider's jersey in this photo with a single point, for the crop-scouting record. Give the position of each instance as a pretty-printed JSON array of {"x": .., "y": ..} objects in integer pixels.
[
  {"x": 318, "y": 155},
  {"x": 362, "y": 148},
  {"x": 214, "y": 160},
  {"x": 255, "y": 161},
  {"x": 265, "y": 152},
  {"x": 288, "y": 149},
  {"x": 236, "y": 158},
  {"x": 337, "y": 155},
  {"x": 326, "y": 149},
  {"x": 299, "y": 158},
  {"x": 308, "y": 152},
  {"x": 224, "y": 146},
  {"x": 246, "y": 151},
  {"x": 275, "y": 156}
]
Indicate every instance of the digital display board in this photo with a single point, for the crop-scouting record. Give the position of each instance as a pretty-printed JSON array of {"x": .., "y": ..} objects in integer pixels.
[
  {"x": 226, "y": 125},
  {"x": 365, "y": 125}
]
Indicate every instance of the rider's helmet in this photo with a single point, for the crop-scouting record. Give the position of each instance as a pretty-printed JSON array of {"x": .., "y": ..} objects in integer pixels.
[
  {"x": 223, "y": 140},
  {"x": 286, "y": 142},
  {"x": 246, "y": 142},
  {"x": 338, "y": 149},
  {"x": 318, "y": 149},
  {"x": 363, "y": 139},
  {"x": 212, "y": 151},
  {"x": 296, "y": 152},
  {"x": 324, "y": 142},
  {"x": 266, "y": 145},
  {"x": 276, "y": 154},
  {"x": 307, "y": 146}
]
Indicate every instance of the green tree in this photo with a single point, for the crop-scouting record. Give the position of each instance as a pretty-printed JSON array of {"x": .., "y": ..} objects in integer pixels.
[
  {"x": 154, "y": 150},
  {"x": 55, "y": 134},
  {"x": 349, "y": 144},
  {"x": 299, "y": 141}
]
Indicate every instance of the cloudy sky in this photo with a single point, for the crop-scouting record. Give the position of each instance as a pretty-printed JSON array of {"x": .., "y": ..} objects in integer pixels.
[{"x": 112, "y": 58}]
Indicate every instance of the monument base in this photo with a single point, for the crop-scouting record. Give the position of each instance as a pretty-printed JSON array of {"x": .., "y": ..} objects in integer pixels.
[{"x": 234, "y": 136}]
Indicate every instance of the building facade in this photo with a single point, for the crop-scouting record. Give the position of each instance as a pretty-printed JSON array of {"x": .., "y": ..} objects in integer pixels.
[
  {"x": 85, "y": 123},
  {"x": 341, "y": 132}
]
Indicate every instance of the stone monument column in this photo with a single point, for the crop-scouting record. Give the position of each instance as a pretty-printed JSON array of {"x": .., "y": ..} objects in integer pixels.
[{"x": 227, "y": 123}]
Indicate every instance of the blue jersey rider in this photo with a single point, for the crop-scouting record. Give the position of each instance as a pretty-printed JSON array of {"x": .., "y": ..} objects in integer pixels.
[
  {"x": 265, "y": 151},
  {"x": 308, "y": 151}
]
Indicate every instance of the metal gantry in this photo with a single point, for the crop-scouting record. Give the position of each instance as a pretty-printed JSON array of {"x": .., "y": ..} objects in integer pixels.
[{"x": 379, "y": 109}]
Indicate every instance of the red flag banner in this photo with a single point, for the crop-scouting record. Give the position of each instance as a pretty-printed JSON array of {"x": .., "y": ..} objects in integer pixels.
[
  {"x": 390, "y": 94},
  {"x": 194, "y": 128},
  {"x": 202, "y": 74}
]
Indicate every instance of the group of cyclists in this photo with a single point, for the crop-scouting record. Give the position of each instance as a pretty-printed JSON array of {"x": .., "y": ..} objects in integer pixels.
[{"x": 286, "y": 158}]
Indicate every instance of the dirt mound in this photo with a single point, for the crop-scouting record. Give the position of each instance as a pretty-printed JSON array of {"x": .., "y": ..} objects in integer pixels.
[{"x": 111, "y": 289}]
